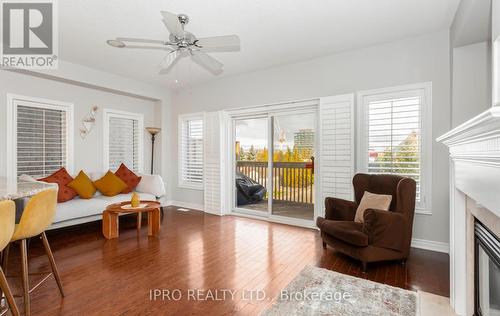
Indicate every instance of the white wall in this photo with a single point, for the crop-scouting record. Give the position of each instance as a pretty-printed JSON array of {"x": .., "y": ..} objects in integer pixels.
[
  {"x": 478, "y": 21},
  {"x": 88, "y": 152},
  {"x": 495, "y": 19},
  {"x": 495, "y": 40},
  {"x": 472, "y": 22},
  {"x": 471, "y": 81},
  {"x": 420, "y": 59}
]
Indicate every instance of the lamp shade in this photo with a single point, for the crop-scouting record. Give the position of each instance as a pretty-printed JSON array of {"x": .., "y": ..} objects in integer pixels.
[{"x": 153, "y": 130}]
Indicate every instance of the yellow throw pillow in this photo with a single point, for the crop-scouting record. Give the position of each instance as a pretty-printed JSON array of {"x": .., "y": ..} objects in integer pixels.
[
  {"x": 110, "y": 184},
  {"x": 83, "y": 186}
]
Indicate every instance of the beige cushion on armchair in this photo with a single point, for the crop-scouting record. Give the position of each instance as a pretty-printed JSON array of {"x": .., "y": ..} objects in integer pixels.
[{"x": 374, "y": 201}]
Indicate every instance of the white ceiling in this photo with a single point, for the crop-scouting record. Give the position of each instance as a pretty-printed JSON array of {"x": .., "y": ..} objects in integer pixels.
[{"x": 272, "y": 32}]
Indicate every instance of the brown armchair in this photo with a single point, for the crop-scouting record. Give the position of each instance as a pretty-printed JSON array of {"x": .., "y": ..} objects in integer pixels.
[{"x": 384, "y": 235}]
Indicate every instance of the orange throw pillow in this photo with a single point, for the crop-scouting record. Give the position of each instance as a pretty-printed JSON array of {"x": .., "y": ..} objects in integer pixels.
[
  {"x": 83, "y": 186},
  {"x": 129, "y": 177},
  {"x": 62, "y": 178},
  {"x": 110, "y": 185}
]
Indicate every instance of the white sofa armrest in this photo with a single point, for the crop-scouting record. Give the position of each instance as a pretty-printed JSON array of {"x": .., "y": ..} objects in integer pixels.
[{"x": 152, "y": 184}]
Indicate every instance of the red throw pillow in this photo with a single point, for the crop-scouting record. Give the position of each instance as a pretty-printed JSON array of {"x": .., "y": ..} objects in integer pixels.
[
  {"x": 62, "y": 178},
  {"x": 129, "y": 177}
]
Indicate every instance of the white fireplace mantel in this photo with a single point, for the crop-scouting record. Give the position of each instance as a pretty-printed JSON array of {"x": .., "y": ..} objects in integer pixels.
[
  {"x": 475, "y": 152},
  {"x": 474, "y": 176}
]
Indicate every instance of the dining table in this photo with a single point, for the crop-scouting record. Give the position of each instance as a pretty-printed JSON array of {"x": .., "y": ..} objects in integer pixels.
[{"x": 19, "y": 190}]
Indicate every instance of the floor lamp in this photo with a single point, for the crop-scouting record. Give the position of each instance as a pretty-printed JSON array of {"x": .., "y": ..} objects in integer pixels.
[{"x": 153, "y": 131}]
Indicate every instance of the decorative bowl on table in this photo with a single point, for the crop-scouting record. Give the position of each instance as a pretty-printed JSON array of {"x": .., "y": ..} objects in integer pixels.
[{"x": 130, "y": 207}]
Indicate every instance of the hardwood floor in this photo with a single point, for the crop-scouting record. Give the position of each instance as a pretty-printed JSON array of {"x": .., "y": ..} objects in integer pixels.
[{"x": 196, "y": 251}]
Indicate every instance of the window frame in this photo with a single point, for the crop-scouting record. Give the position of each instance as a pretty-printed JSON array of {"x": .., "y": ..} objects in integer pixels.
[
  {"x": 181, "y": 120},
  {"x": 11, "y": 127},
  {"x": 425, "y": 91},
  {"x": 112, "y": 113}
]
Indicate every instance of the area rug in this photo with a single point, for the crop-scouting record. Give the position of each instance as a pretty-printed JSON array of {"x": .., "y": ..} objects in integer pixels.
[{"x": 317, "y": 291}]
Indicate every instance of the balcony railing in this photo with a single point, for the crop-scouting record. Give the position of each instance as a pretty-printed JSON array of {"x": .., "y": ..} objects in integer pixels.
[{"x": 292, "y": 181}]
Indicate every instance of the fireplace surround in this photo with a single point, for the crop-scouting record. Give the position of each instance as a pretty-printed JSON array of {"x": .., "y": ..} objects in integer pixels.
[
  {"x": 486, "y": 271},
  {"x": 474, "y": 149}
]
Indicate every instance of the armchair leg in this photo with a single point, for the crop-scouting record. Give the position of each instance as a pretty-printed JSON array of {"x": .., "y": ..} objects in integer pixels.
[
  {"x": 364, "y": 266},
  {"x": 324, "y": 245}
]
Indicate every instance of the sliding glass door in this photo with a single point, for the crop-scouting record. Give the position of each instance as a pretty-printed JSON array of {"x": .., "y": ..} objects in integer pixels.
[
  {"x": 274, "y": 165},
  {"x": 293, "y": 165},
  {"x": 251, "y": 165}
]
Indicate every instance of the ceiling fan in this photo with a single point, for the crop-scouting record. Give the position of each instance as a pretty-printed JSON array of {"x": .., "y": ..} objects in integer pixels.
[{"x": 182, "y": 43}]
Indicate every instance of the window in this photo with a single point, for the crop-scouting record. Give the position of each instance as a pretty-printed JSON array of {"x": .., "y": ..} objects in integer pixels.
[
  {"x": 191, "y": 151},
  {"x": 394, "y": 127},
  {"x": 123, "y": 138},
  {"x": 41, "y": 136}
]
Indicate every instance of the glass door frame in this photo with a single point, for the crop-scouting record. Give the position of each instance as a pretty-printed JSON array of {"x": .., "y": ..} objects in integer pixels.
[{"x": 270, "y": 115}]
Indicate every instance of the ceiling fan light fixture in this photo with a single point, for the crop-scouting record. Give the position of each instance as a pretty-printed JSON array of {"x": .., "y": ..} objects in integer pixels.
[
  {"x": 182, "y": 44},
  {"x": 116, "y": 43}
]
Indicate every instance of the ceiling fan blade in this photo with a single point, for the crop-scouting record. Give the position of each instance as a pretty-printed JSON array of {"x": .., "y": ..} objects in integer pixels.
[
  {"x": 172, "y": 23},
  {"x": 209, "y": 63},
  {"x": 228, "y": 43},
  {"x": 139, "y": 40},
  {"x": 169, "y": 61},
  {"x": 166, "y": 48}
]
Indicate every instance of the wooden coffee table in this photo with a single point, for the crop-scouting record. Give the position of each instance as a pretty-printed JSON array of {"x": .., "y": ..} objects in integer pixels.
[{"x": 110, "y": 222}]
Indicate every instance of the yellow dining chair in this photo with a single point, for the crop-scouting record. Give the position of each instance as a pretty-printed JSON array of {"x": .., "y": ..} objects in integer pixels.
[
  {"x": 37, "y": 216},
  {"x": 7, "y": 222}
]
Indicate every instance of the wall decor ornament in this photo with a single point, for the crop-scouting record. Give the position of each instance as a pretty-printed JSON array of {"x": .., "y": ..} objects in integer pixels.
[{"x": 88, "y": 123}]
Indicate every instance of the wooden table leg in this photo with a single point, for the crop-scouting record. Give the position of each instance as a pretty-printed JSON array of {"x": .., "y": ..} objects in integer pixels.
[
  {"x": 154, "y": 222},
  {"x": 110, "y": 225},
  {"x": 139, "y": 220}
]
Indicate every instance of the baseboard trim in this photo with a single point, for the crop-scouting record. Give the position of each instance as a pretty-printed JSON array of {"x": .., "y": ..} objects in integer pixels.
[
  {"x": 193, "y": 206},
  {"x": 430, "y": 245},
  {"x": 494, "y": 312}
]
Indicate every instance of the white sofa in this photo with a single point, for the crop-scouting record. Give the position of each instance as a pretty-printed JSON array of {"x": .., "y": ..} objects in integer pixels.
[{"x": 78, "y": 211}]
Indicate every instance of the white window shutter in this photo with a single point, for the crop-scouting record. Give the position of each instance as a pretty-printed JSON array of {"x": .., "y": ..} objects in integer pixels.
[
  {"x": 393, "y": 137},
  {"x": 213, "y": 162},
  {"x": 336, "y": 147},
  {"x": 191, "y": 147},
  {"x": 41, "y": 139},
  {"x": 124, "y": 137}
]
